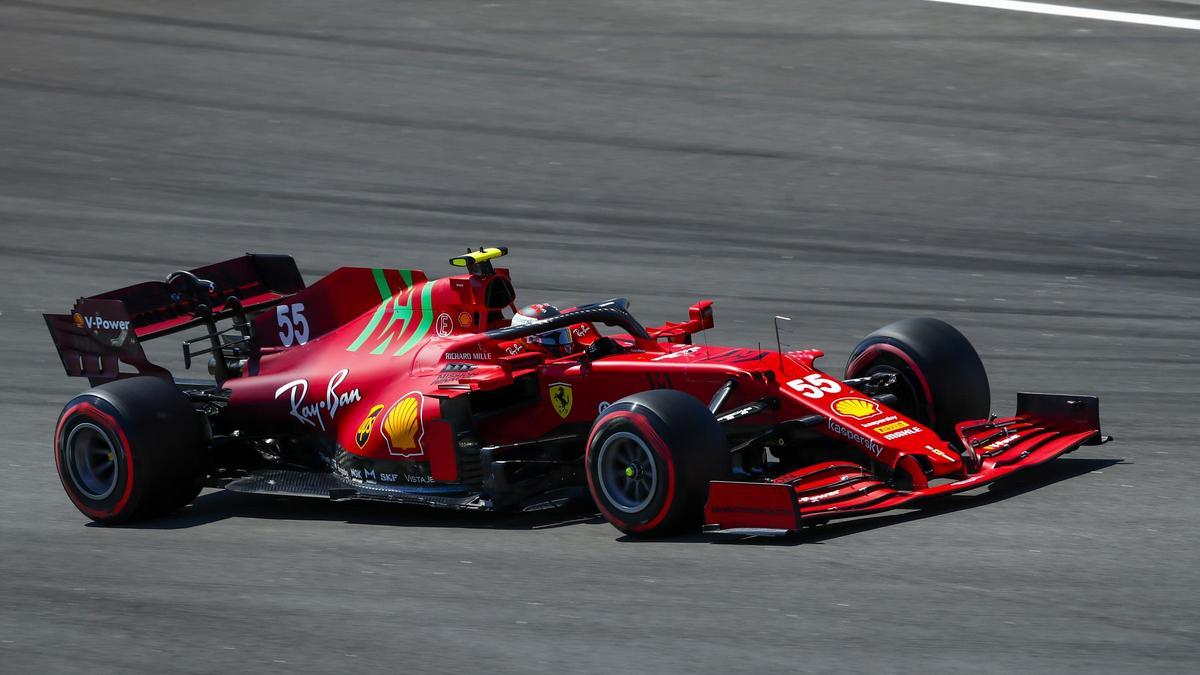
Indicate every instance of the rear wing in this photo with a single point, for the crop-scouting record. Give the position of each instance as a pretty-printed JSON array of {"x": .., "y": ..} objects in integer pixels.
[{"x": 102, "y": 331}]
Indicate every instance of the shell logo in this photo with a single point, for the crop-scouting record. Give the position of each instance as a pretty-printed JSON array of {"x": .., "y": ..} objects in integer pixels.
[
  {"x": 403, "y": 427},
  {"x": 858, "y": 408},
  {"x": 464, "y": 319},
  {"x": 78, "y": 319}
]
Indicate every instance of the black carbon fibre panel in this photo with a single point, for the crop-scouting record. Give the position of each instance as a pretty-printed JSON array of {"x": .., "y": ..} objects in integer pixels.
[
  {"x": 283, "y": 482},
  {"x": 332, "y": 486}
]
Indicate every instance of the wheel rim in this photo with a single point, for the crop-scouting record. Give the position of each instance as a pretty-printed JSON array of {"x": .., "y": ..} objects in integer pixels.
[
  {"x": 909, "y": 399},
  {"x": 92, "y": 461},
  {"x": 627, "y": 471}
]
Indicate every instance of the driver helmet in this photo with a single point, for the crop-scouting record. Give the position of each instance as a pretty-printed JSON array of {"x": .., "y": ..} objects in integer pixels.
[{"x": 556, "y": 342}]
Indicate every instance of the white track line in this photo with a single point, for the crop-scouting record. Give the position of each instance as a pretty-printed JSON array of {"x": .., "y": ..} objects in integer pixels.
[{"x": 1080, "y": 13}]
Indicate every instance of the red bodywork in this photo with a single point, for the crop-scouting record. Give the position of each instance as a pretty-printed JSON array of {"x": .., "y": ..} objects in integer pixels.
[{"x": 372, "y": 361}]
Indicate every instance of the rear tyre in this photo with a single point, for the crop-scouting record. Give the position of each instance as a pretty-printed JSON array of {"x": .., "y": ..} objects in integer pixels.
[
  {"x": 649, "y": 459},
  {"x": 130, "y": 450},
  {"x": 940, "y": 379}
]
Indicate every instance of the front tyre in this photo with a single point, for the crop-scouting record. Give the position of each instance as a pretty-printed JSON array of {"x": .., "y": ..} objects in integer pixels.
[
  {"x": 650, "y": 457},
  {"x": 940, "y": 379},
  {"x": 130, "y": 450}
]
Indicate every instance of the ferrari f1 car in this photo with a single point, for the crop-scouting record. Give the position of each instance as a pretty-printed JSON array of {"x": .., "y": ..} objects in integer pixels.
[{"x": 382, "y": 384}]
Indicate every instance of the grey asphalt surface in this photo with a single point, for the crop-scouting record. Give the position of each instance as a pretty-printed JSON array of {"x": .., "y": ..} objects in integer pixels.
[{"x": 1034, "y": 180}]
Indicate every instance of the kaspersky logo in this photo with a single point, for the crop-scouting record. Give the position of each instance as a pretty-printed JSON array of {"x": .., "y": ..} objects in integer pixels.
[
  {"x": 403, "y": 428},
  {"x": 402, "y": 319}
]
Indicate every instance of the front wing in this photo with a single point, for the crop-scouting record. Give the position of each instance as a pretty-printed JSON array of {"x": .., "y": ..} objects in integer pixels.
[{"x": 1046, "y": 426}]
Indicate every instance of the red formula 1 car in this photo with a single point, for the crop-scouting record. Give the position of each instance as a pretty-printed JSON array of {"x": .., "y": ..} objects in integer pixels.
[{"x": 382, "y": 384}]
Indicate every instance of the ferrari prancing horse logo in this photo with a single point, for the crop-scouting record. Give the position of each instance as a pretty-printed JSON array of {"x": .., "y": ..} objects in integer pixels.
[{"x": 562, "y": 398}]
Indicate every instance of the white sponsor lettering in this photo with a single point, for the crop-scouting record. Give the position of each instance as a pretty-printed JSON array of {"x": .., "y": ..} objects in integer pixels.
[
  {"x": 874, "y": 423},
  {"x": 852, "y": 435},
  {"x": 1003, "y": 442},
  {"x": 417, "y": 479},
  {"x": 469, "y": 356},
  {"x": 100, "y": 323},
  {"x": 444, "y": 325},
  {"x": 311, "y": 413},
  {"x": 817, "y": 498},
  {"x": 902, "y": 433}
]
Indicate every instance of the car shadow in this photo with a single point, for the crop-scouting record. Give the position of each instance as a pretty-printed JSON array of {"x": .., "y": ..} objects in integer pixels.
[{"x": 219, "y": 505}]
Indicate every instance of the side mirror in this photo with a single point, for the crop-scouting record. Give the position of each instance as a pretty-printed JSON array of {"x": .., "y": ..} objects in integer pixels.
[{"x": 701, "y": 313}]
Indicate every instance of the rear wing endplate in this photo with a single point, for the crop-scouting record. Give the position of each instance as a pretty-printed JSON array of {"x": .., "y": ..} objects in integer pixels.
[{"x": 104, "y": 330}]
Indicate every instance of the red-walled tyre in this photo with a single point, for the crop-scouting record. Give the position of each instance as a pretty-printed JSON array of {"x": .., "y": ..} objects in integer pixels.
[
  {"x": 649, "y": 459},
  {"x": 130, "y": 450},
  {"x": 940, "y": 378}
]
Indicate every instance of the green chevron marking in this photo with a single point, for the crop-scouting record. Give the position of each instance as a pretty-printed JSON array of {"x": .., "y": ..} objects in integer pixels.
[
  {"x": 400, "y": 313},
  {"x": 426, "y": 306}
]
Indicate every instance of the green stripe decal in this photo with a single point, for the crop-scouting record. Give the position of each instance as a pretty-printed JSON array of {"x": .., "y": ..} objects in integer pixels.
[
  {"x": 362, "y": 337},
  {"x": 426, "y": 319},
  {"x": 401, "y": 314},
  {"x": 385, "y": 293}
]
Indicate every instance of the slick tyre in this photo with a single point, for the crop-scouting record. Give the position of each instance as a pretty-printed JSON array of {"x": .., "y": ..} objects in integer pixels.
[
  {"x": 940, "y": 379},
  {"x": 130, "y": 450},
  {"x": 649, "y": 459}
]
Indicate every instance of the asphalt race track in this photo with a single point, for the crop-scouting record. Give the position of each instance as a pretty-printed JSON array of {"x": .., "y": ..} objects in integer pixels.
[{"x": 1033, "y": 179}]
